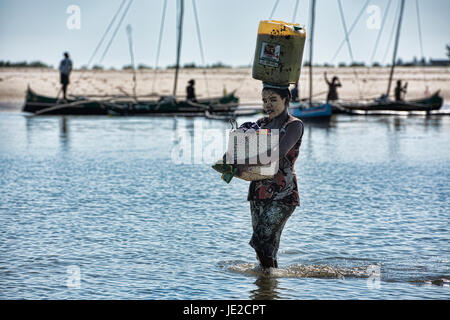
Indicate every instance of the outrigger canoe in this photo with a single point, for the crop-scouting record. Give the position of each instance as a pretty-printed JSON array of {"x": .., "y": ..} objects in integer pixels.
[
  {"x": 39, "y": 104},
  {"x": 434, "y": 102}
]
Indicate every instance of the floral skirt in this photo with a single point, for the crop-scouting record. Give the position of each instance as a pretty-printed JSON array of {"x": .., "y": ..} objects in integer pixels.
[{"x": 268, "y": 220}]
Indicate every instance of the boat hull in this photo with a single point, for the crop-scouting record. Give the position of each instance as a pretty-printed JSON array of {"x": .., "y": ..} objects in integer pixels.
[
  {"x": 319, "y": 111},
  {"x": 35, "y": 103},
  {"x": 434, "y": 102},
  {"x": 39, "y": 104}
]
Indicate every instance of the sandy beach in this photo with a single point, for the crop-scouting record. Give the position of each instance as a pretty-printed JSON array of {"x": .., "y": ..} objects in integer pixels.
[{"x": 357, "y": 82}]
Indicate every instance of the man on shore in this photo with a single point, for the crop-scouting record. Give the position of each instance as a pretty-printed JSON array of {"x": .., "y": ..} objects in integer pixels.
[{"x": 65, "y": 68}]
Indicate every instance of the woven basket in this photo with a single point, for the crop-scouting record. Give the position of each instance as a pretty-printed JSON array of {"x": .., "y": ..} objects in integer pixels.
[
  {"x": 255, "y": 173},
  {"x": 252, "y": 172}
]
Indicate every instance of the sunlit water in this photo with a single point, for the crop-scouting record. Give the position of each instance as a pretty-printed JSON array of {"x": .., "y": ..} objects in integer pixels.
[{"x": 106, "y": 197}]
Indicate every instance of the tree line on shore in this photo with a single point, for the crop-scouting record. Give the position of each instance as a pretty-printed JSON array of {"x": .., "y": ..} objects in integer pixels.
[
  {"x": 24, "y": 64},
  {"x": 218, "y": 65},
  {"x": 40, "y": 64}
]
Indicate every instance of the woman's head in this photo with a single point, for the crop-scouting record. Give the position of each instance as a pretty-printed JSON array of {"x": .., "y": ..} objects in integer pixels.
[{"x": 275, "y": 101}]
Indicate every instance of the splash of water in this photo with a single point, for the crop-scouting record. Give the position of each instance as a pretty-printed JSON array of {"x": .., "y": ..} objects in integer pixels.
[{"x": 299, "y": 271}]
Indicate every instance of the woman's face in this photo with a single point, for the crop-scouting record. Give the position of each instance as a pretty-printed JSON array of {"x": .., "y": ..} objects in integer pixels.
[{"x": 273, "y": 103}]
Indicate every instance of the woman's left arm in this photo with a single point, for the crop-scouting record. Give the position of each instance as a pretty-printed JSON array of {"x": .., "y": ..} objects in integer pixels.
[{"x": 294, "y": 131}]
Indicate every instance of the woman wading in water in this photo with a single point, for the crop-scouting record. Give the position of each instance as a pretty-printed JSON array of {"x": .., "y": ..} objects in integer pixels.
[{"x": 272, "y": 201}]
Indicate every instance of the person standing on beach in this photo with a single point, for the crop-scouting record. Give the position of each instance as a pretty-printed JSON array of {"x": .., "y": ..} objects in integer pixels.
[
  {"x": 272, "y": 201},
  {"x": 190, "y": 91},
  {"x": 332, "y": 86},
  {"x": 65, "y": 68}
]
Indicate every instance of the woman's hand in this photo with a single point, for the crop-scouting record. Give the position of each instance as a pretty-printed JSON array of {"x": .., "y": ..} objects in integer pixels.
[{"x": 228, "y": 157}]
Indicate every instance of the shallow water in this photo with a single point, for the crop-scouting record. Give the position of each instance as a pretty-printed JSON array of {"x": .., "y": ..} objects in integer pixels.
[{"x": 99, "y": 208}]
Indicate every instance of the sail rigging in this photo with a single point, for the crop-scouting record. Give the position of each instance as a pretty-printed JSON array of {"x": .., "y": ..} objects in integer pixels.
[
  {"x": 350, "y": 30},
  {"x": 115, "y": 31},
  {"x": 179, "y": 41},
  {"x": 133, "y": 65},
  {"x": 347, "y": 39},
  {"x": 101, "y": 41},
  {"x": 273, "y": 9},
  {"x": 391, "y": 34},
  {"x": 199, "y": 37},
  {"x": 380, "y": 32},
  {"x": 397, "y": 40},
  {"x": 375, "y": 48},
  {"x": 311, "y": 42},
  {"x": 294, "y": 15},
  {"x": 158, "y": 50}
]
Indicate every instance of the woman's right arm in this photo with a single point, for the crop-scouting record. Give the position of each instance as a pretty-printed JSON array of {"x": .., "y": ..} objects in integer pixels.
[{"x": 326, "y": 79}]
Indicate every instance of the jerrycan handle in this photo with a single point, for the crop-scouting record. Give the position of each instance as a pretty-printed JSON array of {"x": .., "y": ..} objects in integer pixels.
[{"x": 234, "y": 124}]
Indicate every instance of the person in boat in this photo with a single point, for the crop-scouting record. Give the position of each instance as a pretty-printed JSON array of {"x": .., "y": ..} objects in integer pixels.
[
  {"x": 427, "y": 92},
  {"x": 400, "y": 91},
  {"x": 332, "y": 88},
  {"x": 272, "y": 201},
  {"x": 65, "y": 68},
  {"x": 190, "y": 91},
  {"x": 294, "y": 93}
]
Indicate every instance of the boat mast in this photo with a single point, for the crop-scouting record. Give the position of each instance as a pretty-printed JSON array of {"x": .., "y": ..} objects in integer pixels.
[
  {"x": 397, "y": 38},
  {"x": 311, "y": 37},
  {"x": 133, "y": 66},
  {"x": 180, "y": 29}
]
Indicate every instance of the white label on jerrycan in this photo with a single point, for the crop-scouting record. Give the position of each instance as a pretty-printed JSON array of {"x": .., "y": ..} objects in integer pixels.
[{"x": 270, "y": 54}]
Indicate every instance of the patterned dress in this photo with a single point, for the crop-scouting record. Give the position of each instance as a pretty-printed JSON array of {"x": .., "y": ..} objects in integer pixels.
[
  {"x": 272, "y": 201},
  {"x": 283, "y": 186}
]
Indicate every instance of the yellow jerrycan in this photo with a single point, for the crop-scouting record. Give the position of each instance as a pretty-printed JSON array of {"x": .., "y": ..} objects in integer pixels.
[{"x": 279, "y": 52}]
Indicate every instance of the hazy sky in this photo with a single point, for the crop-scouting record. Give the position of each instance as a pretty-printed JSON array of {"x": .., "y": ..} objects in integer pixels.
[{"x": 37, "y": 30}]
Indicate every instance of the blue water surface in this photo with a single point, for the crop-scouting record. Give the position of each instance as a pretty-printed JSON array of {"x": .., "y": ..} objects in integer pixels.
[{"x": 129, "y": 208}]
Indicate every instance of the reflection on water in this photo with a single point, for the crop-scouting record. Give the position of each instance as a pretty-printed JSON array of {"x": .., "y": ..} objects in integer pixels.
[
  {"x": 103, "y": 194},
  {"x": 266, "y": 289},
  {"x": 63, "y": 126},
  {"x": 64, "y": 134}
]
